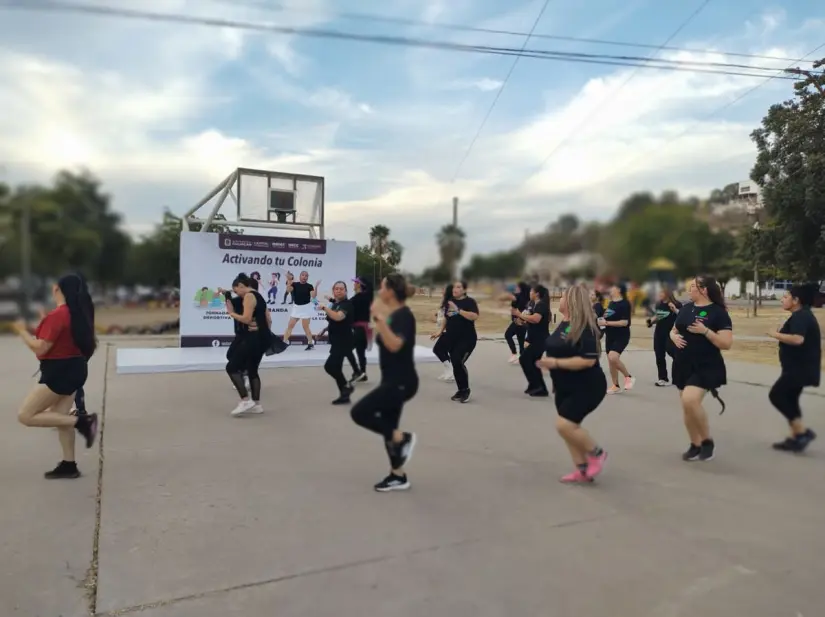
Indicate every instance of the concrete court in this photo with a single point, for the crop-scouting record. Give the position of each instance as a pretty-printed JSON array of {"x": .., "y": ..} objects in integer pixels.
[{"x": 205, "y": 515}]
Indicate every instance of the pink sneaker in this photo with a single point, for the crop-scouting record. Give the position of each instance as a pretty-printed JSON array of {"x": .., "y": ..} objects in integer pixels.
[
  {"x": 629, "y": 382},
  {"x": 595, "y": 464},
  {"x": 575, "y": 477}
]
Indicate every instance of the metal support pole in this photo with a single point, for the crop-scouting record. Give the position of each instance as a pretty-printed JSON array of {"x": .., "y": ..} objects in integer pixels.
[{"x": 219, "y": 203}]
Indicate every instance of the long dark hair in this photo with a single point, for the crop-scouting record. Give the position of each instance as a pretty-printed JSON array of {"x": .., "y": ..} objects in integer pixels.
[
  {"x": 669, "y": 297},
  {"x": 447, "y": 296},
  {"x": 82, "y": 312},
  {"x": 712, "y": 288},
  {"x": 622, "y": 290},
  {"x": 541, "y": 292},
  {"x": 522, "y": 294},
  {"x": 243, "y": 279}
]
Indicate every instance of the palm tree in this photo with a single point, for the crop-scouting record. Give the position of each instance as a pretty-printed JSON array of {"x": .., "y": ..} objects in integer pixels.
[
  {"x": 380, "y": 246},
  {"x": 451, "y": 245}
]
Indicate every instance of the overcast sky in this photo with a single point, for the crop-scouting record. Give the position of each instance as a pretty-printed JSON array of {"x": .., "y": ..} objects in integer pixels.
[{"x": 161, "y": 112}]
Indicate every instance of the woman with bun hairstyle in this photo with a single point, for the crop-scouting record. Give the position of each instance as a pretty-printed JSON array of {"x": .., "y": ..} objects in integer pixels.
[
  {"x": 579, "y": 384},
  {"x": 380, "y": 410},
  {"x": 702, "y": 330},
  {"x": 256, "y": 339},
  {"x": 63, "y": 342},
  {"x": 800, "y": 355},
  {"x": 616, "y": 324},
  {"x": 339, "y": 313}
]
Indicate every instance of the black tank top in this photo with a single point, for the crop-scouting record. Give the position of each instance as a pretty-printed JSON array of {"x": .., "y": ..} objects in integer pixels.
[{"x": 259, "y": 316}]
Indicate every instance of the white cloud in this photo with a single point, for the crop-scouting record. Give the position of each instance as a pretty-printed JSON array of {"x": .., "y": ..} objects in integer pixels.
[{"x": 162, "y": 137}]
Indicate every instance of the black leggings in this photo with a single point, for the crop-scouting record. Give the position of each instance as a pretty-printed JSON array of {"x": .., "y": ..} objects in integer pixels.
[
  {"x": 380, "y": 409},
  {"x": 360, "y": 335},
  {"x": 80, "y": 400},
  {"x": 246, "y": 358},
  {"x": 441, "y": 349},
  {"x": 784, "y": 395},
  {"x": 532, "y": 354},
  {"x": 334, "y": 366},
  {"x": 661, "y": 347},
  {"x": 460, "y": 351},
  {"x": 519, "y": 332}
]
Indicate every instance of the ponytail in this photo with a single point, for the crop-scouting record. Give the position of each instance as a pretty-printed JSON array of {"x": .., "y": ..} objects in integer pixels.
[
  {"x": 81, "y": 312},
  {"x": 712, "y": 288}
]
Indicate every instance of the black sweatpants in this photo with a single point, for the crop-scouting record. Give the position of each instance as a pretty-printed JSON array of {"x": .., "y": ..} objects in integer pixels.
[
  {"x": 334, "y": 366},
  {"x": 360, "y": 339},
  {"x": 519, "y": 332},
  {"x": 441, "y": 349},
  {"x": 661, "y": 347},
  {"x": 380, "y": 409},
  {"x": 532, "y": 354},
  {"x": 460, "y": 351},
  {"x": 246, "y": 359},
  {"x": 784, "y": 395}
]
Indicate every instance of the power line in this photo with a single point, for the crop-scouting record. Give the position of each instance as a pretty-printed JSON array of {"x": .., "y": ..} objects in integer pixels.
[
  {"x": 498, "y": 94},
  {"x": 403, "y": 21},
  {"x": 51, "y": 6},
  {"x": 778, "y": 75}
]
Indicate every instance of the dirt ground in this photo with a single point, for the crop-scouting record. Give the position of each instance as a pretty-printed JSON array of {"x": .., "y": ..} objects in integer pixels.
[{"x": 494, "y": 320}]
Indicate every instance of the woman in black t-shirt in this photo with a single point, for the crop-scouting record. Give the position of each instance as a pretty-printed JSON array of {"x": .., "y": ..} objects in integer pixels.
[
  {"x": 303, "y": 308},
  {"x": 462, "y": 312},
  {"x": 800, "y": 355},
  {"x": 257, "y": 338},
  {"x": 579, "y": 384},
  {"x": 664, "y": 316},
  {"x": 380, "y": 410},
  {"x": 441, "y": 349},
  {"x": 702, "y": 330},
  {"x": 339, "y": 314},
  {"x": 361, "y": 328},
  {"x": 518, "y": 300},
  {"x": 616, "y": 322},
  {"x": 537, "y": 316}
]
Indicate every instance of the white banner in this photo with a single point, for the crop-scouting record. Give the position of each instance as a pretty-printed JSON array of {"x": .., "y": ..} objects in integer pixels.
[{"x": 209, "y": 261}]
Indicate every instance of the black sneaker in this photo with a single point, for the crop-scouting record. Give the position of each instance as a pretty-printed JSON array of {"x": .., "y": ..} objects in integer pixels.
[
  {"x": 457, "y": 396},
  {"x": 309, "y": 347},
  {"x": 343, "y": 398},
  {"x": 463, "y": 396},
  {"x": 692, "y": 453},
  {"x": 789, "y": 444},
  {"x": 539, "y": 393},
  {"x": 393, "y": 483},
  {"x": 87, "y": 426},
  {"x": 65, "y": 470},
  {"x": 707, "y": 450},
  {"x": 361, "y": 378}
]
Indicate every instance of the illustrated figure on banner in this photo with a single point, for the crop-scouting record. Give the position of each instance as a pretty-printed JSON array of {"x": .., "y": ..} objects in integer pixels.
[
  {"x": 304, "y": 305},
  {"x": 274, "y": 282}
]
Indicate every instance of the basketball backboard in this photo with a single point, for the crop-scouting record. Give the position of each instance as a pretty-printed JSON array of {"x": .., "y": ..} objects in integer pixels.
[{"x": 265, "y": 199}]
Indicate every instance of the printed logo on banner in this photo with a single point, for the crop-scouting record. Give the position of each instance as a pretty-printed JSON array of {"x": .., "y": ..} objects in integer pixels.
[{"x": 209, "y": 262}]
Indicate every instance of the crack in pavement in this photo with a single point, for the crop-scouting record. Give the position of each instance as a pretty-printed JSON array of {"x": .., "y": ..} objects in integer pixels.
[
  {"x": 92, "y": 573},
  {"x": 323, "y": 570}
]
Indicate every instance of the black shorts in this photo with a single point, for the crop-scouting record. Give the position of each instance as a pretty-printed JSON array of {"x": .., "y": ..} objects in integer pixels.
[
  {"x": 616, "y": 343},
  {"x": 575, "y": 405},
  {"x": 65, "y": 376},
  {"x": 707, "y": 376}
]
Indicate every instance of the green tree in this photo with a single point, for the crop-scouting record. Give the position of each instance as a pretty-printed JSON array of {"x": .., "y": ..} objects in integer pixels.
[
  {"x": 387, "y": 252},
  {"x": 451, "y": 242},
  {"x": 790, "y": 169},
  {"x": 500, "y": 265}
]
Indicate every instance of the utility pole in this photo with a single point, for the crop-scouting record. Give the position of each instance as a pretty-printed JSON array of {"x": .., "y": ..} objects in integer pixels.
[{"x": 455, "y": 211}]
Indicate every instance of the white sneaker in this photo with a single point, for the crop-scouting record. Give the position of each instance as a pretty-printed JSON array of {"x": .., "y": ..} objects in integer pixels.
[
  {"x": 242, "y": 408},
  {"x": 513, "y": 359},
  {"x": 256, "y": 408},
  {"x": 448, "y": 372},
  {"x": 662, "y": 383}
]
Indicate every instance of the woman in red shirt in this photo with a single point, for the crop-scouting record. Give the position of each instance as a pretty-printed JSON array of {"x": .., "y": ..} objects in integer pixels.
[{"x": 63, "y": 342}]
